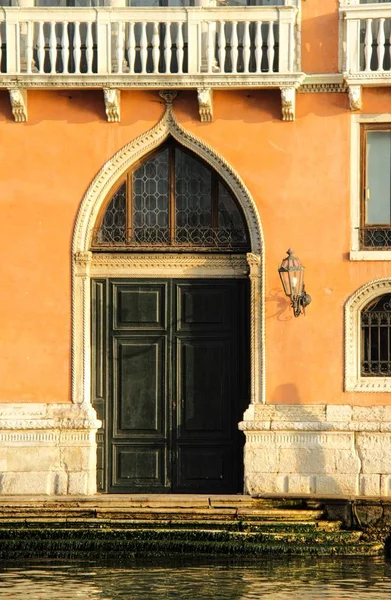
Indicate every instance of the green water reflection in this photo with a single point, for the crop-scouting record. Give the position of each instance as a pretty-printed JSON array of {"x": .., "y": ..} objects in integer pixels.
[{"x": 277, "y": 579}]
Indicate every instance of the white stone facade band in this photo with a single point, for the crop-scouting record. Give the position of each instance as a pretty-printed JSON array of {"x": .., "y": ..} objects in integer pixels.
[
  {"x": 47, "y": 449},
  {"x": 319, "y": 450}
]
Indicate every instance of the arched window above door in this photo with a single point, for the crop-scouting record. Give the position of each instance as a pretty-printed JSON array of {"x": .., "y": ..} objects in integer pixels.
[{"x": 172, "y": 201}]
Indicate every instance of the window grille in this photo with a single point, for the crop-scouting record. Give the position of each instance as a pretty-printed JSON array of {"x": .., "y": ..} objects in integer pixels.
[
  {"x": 173, "y": 201},
  {"x": 376, "y": 338}
]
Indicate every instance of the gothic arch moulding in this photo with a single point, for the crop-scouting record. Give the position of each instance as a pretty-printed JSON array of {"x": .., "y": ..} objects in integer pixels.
[
  {"x": 354, "y": 381},
  {"x": 82, "y": 258}
]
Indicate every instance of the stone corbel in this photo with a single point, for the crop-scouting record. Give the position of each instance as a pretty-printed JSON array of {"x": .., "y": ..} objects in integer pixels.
[
  {"x": 205, "y": 104},
  {"x": 288, "y": 103},
  {"x": 18, "y": 98},
  {"x": 112, "y": 104},
  {"x": 355, "y": 97}
]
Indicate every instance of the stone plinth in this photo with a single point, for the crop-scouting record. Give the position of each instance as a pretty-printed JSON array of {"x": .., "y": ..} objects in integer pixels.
[
  {"x": 323, "y": 450},
  {"x": 47, "y": 449}
]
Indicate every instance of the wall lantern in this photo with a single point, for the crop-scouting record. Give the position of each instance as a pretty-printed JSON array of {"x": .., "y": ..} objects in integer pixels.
[{"x": 291, "y": 273}]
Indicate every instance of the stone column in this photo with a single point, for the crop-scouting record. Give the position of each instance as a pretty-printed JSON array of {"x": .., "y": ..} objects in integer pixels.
[
  {"x": 254, "y": 262},
  {"x": 204, "y": 32},
  {"x": 23, "y": 36},
  {"x": 81, "y": 346},
  {"x": 114, "y": 36}
]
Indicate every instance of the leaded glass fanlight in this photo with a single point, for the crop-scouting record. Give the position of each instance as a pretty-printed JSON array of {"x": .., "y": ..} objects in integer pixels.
[{"x": 172, "y": 201}]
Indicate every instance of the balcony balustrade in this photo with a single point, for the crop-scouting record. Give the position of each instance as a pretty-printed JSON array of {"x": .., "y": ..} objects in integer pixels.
[
  {"x": 366, "y": 43},
  {"x": 148, "y": 46}
]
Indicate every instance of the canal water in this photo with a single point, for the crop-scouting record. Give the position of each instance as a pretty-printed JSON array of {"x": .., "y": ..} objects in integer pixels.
[{"x": 266, "y": 579}]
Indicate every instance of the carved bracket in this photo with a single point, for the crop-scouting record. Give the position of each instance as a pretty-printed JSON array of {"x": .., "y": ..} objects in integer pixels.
[
  {"x": 288, "y": 103},
  {"x": 355, "y": 97},
  {"x": 168, "y": 96},
  {"x": 112, "y": 104},
  {"x": 205, "y": 104},
  {"x": 18, "y": 97}
]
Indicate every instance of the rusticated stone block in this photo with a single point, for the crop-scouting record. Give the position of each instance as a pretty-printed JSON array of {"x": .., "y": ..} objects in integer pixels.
[
  {"x": 338, "y": 413},
  {"x": 59, "y": 483},
  {"x": 335, "y": 484},
  {"x": 374, "y": 450},
  {"x": 257, "y": 460},
  {"x": 78, "y": 483},
  {"x": 369, "y": 485},
  {"x": 30, "y": 483},
  {"x": 41, "y": 458},
  {"x": 297, "y": 484},
  {"x": 269, "y": 483},
  {"x": 385, "y": 485},
  {"x": 78, "y": 458}
]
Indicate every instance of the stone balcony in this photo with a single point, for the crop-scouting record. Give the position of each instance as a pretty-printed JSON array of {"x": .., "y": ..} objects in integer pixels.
[
  {"x": 365, "y": 47},
  {"x": 116, "y": 48}
]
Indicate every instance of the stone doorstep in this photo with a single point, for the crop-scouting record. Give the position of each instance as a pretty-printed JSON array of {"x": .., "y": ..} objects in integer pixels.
[{"x": 155, "y": 500}]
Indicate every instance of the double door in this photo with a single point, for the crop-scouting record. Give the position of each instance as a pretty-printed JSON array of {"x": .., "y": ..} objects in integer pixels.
[{"x": 170, "y": 382}]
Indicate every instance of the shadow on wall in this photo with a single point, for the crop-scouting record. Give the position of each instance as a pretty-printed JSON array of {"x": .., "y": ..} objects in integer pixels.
[
  {"x": 306, "y": 460},
  {"x": 278, "y": 306}
]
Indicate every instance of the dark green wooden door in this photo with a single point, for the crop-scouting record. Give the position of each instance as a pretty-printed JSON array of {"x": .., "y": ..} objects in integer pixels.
[{"x": 170, "y": 384}]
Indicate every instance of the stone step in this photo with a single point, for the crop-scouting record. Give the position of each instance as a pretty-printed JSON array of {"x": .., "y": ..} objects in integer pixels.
[
  {"x": 116, "y": 543},
  {"x": 152, "y": 501},
  {"x": 182, "y": 534},
  {"x": 216, "y": 524},
  {"x": 193, "y": 513}
]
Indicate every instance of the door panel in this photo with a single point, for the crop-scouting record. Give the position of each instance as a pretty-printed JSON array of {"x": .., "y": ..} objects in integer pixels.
[
  {"x": 203, "y": 383},
  {"x": 138, "y": 467},
  {"x": 170, "y": 367},
  {"x": 202, "y": 308},
  {"x": 139, "y": 307},
  {"x": 139, "y": 387},
  {"x": 207, "y": 469}
]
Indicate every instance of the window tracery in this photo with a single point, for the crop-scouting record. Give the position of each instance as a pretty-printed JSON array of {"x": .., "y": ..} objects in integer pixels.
[{"x": 172, "y": 201}]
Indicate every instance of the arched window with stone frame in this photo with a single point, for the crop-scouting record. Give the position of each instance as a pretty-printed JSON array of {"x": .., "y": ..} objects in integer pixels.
[
  {"x": 376, "y": 337},
  {"x": 171, "y": 201},
  {"x": 368, "y": 338}
]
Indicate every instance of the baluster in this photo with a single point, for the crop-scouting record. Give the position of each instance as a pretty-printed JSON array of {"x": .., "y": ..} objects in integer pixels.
[
  {"x": 65, "y": 47},
  {"x": 131, "y": 48},
  {"x": 210, "y": 54},
  {"x": 155, "y": 47},
  {"x": 258, "y": 47},
  {"x": 390, "y": 49},
  {"x": 41, "y": 47},
  {"x": 222, "y": 52},
  {"x": 234, "y": 47},
  {"x": 52, "y": 47},
  {"x": 381, "y": 40},
  {"x": 120, "y": 47},
  {"x": 89, "y": 47},
  {"x": 270, "y": 47},
  {"x": 144, "y": 47},
  {"x": 29, "y": 47},
  {"x": 246, "y": 47},
  {"x": 77, "y": 47},
  {"x": 368, "y": 45},
  {"x": 167, "y": 48},
  {"x": 179, "y": 48}
]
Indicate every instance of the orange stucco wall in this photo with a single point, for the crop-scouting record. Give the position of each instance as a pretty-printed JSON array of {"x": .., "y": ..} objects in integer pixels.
[
  {"x": 320, "y": 22},
  {"x": 298, "y": 174}
]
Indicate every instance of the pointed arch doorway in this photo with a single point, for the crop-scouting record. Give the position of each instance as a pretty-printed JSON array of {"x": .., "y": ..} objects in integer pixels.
[{"x": 172, "y": 351}]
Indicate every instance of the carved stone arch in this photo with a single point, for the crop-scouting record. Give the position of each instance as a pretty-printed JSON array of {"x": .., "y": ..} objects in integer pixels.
[
  {"x": 84, "y": 267},
  {"x": 354, "y": 381},
  {"x": 116, "y": 166}
]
